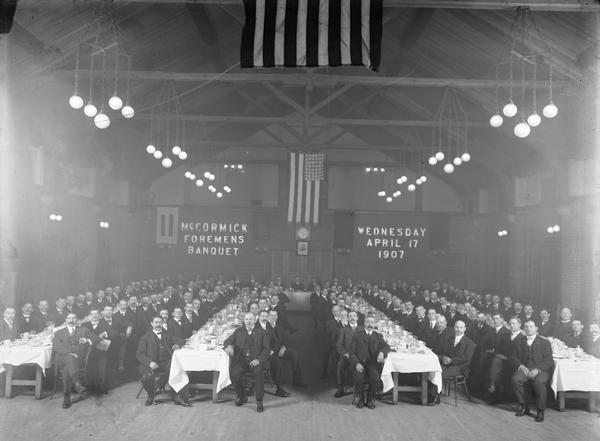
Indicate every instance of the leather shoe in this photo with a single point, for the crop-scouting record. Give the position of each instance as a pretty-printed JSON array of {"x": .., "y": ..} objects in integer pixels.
[
  {"x": 522, "y": 410},
  {"x": 66, "y": 403},
  {"x": 181, "y": 402},
  {"x": 281, "y": 392},
  {"x": 149, "y": 402},
  {"x": 539, "y": 416},
  {"x": 355, "y": 399},
  {"x": 259, "y": 406},
  {"x": 371, "y": 404},
  {"x": 360, "y": 404},
  {"x": 239, "y": 401},
  {"x": 339, "y": 393},
  {"x": 79, "y": 388}
]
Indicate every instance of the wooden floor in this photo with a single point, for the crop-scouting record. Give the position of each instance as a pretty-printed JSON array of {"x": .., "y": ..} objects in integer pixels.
[{"x": 311, "y": 414}]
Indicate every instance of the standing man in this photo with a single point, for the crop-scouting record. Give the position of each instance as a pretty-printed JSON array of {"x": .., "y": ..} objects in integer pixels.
[
  {"x": 248, "y": 348},
  {"x": 532, "y": 359},
  {"x": 343, "y": 348},
  {"x": 367, "y": 353},
  {"x": 154, "y": 353}
]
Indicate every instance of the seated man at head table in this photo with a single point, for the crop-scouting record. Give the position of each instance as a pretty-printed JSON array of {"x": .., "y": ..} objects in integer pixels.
[
  {"x": 343, "y": 348},
  {"x": 532, "y": 361},
  {"x": 367, "y": 354},
  {"x": 283, "y": 352},
  {"x": 71, "y": 346},
  {"x": 455, "y": 358},
  {"x": 154, "y": 353},
  {"x": 9, "y": 329},
  {"x": 248, "y": 348}
]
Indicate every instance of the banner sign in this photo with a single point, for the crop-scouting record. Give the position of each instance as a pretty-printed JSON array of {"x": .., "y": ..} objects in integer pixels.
[
  {"x": 213, "y": 238},
  {"x": 391, "y": 242}
]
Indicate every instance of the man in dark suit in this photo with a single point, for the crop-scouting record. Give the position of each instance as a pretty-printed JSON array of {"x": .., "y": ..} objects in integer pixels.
[
  {"x": 577, "y": 336},
  {"x": 42, "y": 314},
  {"x": 594, "y": 341},
  {"x": 121, "y": 323},
  {"x": 58, "y": 314},
  {"x": 154, "y": 353},
  {"x": 248, "y": 349},
  {"x": 361, "y": 317},
  {"x": 178, "y": 327},
  {"x": 533, "y": 363},
  {"x": 495, "y": 350},
  {"x": 564, "y": 327},
  {"x": 114, "y": 335},
  {"x": 191, "y": 320},
  {"x": 9, "y": 329},
  {"x": 298, "y": 285},
  {"x": 426, "y": 332},
  {"x": 279, "y": 339},
  {"x": 332, "y": 331},
  {"x": 27, "y": 321},
  {"x": 70, "y": 347},
  {"x": 545, "y": 328},
  {"x": 456, "y": 358},
  {"x": 98, "y": 358},
  {"x": 367, "y": 353},
  {"x": 274, "y": 365},
  {"x": 442, "y": 336},
  {"x": 344, "y": 341}
]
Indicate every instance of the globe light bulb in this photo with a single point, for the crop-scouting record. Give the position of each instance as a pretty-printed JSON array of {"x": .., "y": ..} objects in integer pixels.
[
  {"x": 534, "y": 119},
  {"x": 432, "y": 160},
  {"x": 167, "y": 162},
  {"x": 381, "y": 193},
  {"x": 76, "y": 102},
  {"x": 448, "y": 168},
  {"x": 240, "y": 166},
  {"x": 212, "y": 188},
  {"x": 52, "y": 217},
  {"x": 411, "y": 187},
  {"x": 211, "y": 177},
  {"x": 187, "y": 175},
  {"x": 157, "y": 154},
  {"x": 127, "y": 111},
  {"x": 440, "y": 156},
  {"x": 199, "y": 183},
  {"x": 399, "y": 181},
  {"x": 418, "y": 181},
  {"x": 457, "y": 161},
  {"x": 505, "y": 232},
  {"x": 499, "y": 233},
  {"x": 90, "y": 110},
  {"x": 115, "y": 102},
  {"x": 496, "y": 121},
  {"x": 522, "y": 130},
  {"x": 550, "y": 230},
  {"x": 550, "y": 110},
  {"x": 150, "y": 149},
  {"x": 219, "y": 194},
  {"x": 510, "y": 110},
  {"x": 176, "y": 150},
  {"x": 183, "y": 155},
  {"x": 404, "y": 179},
  {"x": 556, "y": 228},
  {"x": 192, "y": 176},
  {"x": 227, "y": 189},
  {"x": 206, "y": 174},
  {"x": 466, "y": 157},
  {"x": 382, "y": 170},
  {"x": 423, "y": 178},
  {"x": 389, "y": 199},
  {"x": 58, "y": 217},
  {"x": 102, "y": 121}
]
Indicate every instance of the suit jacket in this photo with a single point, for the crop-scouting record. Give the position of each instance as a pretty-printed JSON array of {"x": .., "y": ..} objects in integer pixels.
[
  {"x": 148, "y": 347},
  {"x": 581, "y": 340},
  {"x": 259, "y": 346},
  {"x": 333, "y": 329},
  {"x": 541, "y": 353},
  {"x": 6, "y": 333},
  {"x": 346, "y": 334},
  {"x": 63, "y": 343},
  {"x": 364, "y": 350},
  {"x": 563, "y": 330},
  {"x": 180, "y": 331},
  {"x": 461, "y": 354},
  {"x": 34, "y": 324},
  {"x": 193, "y": 323},
  {"x": 440, "y": 341},
  {"x": 426, "y": 334},
  {"x": 546, "y": 329},
  {"x": 497, "y": 341}
]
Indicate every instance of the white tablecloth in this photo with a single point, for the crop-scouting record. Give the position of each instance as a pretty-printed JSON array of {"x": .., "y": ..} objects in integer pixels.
[
  {"x": 24, "y": 354},
  {"x": 195, "y": 360},
  {"x": 577, "y": 375},
  {"x": 405, "y": 362}
]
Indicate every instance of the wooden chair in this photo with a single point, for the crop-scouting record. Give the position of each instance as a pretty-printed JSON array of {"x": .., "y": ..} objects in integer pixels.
[
  {"x": 159, "y": 377},
  {"x": 456, "y": 381},
  {"x": 58, "y": 374}
]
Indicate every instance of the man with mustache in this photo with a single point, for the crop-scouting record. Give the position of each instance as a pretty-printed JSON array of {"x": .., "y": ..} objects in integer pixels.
[{"x": 367, "y": 353}]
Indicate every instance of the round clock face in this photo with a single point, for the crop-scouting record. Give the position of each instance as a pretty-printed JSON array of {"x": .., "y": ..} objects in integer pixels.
[{"x": 302, "y": 233}]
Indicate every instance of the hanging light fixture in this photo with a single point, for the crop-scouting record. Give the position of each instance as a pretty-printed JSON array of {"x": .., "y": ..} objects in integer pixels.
[
  {"x": 75, "y": 101},
  {"x": 167, "y": 162},
  {"x": 158, "y": 154},
  {"x": 448, "y": 168}
]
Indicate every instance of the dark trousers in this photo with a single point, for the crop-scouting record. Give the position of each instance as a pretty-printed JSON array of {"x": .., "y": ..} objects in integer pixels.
[
  {"x": 150, "y": 383},
  {"x": 96, "y": 369},
  {"x": 496, "y": 368},
  {"x": 277, "y": 367},
  {"x": 343, "y": 366},
  {"x": 371, "y": 375},
  {"x": 237, "y": 371},
  {"x": 71, "y": 369},
  {"x": 520, "y": 380}
]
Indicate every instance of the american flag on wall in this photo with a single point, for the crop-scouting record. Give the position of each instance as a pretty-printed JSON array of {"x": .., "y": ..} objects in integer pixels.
[
  {"x": 312, "y": 33},
  {"x": 306, "y": 174}
]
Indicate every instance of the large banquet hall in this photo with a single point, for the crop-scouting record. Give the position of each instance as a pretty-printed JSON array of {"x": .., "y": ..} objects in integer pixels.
[{"x": 300, "y": 219}]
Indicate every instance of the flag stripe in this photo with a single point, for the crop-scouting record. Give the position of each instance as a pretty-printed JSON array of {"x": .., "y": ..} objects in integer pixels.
[
  {"x": 259, "y": 32},
  {"x": 312, "y": 33},
  {"x": 291, "y": 17},
  {"x": 307, "y": 201},
  {"x": 299, "y": 189},
  {"x": 355, "y": 33},
  {"x": 334, "y": 31},
  {"x": 323, "y": 33},
  {"x": 345, "y": 32},
  {"x": 376, "y": 28},
  {"x": 269, "y": 33},
  {"x": 301, "y": 33},
  {"x": 316, "y": 202},
  {"x": 292, "y": 182},
  {"x": 365, "y": 34},
  {"x": 247, "y": 47}
]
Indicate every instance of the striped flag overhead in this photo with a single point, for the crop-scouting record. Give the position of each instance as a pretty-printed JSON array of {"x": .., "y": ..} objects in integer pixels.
[
  {"x": 306, "y": 174},
  {"x": 312, "y": 33}
]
